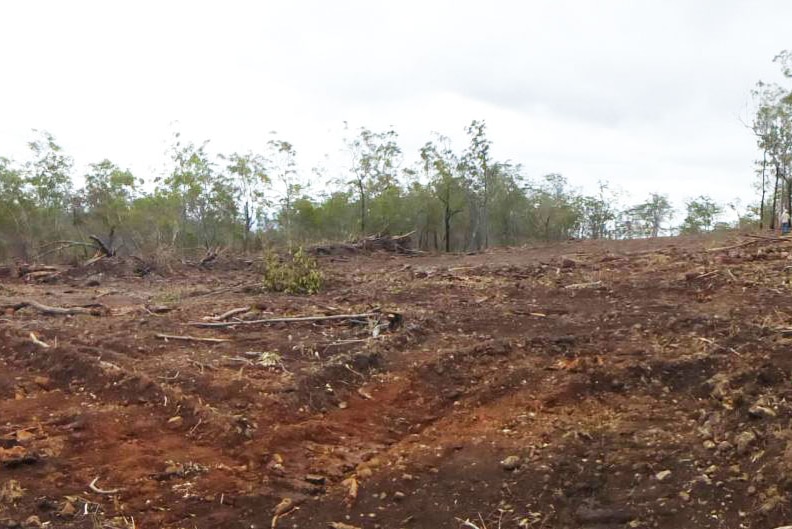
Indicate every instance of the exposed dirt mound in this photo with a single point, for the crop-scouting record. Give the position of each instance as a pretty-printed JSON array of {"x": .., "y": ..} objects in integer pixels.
[{"x": 586, "y": 384}]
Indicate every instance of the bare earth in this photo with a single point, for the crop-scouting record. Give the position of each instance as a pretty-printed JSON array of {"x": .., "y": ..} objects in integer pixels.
[{"x": 655, "y": 392}]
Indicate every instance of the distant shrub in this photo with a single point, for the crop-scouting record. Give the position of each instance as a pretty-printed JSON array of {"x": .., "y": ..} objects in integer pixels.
[{"x": 297, "y": 274}]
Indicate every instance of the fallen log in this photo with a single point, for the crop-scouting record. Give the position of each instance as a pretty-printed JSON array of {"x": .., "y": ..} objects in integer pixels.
[
  {"x": 300, "y": 319},
  {"x": 735, "y": 246},
  {"x": 25, "y": 269},
  {"x": 106, "y": 248},
  {"x": 41, "y": 276},
  {"x": 755, "y": 239},
  {"x": 53, "y": 311}
]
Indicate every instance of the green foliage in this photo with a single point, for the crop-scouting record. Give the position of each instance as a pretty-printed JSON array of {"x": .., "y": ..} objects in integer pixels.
[
  {"x": 648, "y": 218},
  {"x": 376, "y": 158},
  {"x": 450, "y": 199},
  {"x": 108, "y": 193},
  {"x": 598, "y": 213},
  {"x": 248, "y": 178},
  {"x": 702, "y": 215},
  {"x": 298, "y": 274}
]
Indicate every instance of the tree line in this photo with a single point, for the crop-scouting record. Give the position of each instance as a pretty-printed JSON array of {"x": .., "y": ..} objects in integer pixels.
[
  {"x": 451, "y": 199},
  {"x": 772, "y": 126}
]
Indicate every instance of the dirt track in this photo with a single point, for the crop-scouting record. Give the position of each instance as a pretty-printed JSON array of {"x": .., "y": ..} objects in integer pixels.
[{"x": 597, "y": 385}]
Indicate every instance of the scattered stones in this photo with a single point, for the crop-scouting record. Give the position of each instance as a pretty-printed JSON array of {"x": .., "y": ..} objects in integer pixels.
[
  {"x": 68, "y": 510},
  {"x": 315, "y": 479},
  {"x": 587, "y": 515},
  {"x": 568, "y": 264},
  {"x": 511, "y": 463},
  {"x": 725, "y": 446},
  {"x": 44, "y": 383},
  {"x": 709, "y": 445},
  {"x": 663, "y": 475},
  {"x": 342, "y": 525},
  {"x": 719, "y": 386},
  {"x": 180, "y": 470},
  {"x": 175, "y": 422},
  {"x": 758, "y": 411},
  {"x": 745, "y": 441},
  {"x": 285, "y": 505},
  {"x": 32, "y": 522},
  {"x": 11, "y": 491},
  {"x": 93, "y": 282},
  {"x": 398, "y": 496}
]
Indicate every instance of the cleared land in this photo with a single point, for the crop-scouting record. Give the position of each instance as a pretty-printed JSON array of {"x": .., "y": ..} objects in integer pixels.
[{"x": 598, "y": 385}]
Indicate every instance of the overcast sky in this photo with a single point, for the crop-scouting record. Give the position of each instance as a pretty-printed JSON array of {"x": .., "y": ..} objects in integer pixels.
[{"x": 648, "y": 95}]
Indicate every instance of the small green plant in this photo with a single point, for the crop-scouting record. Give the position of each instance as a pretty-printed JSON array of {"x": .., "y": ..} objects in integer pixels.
[{"x": 298, "y": 274}]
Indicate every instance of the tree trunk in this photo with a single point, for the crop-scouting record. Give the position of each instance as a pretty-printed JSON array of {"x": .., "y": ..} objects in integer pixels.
[
  {"x": 788, "y": 195},
  {"x": 775, "y": 202},
  {"x": 362, "y": 209},
  {"x": 447, "y": 226},
  {"x": 248, "y": 225},
  {"x": 762, "y": 202},
  {"x": 474, "y": 228}
]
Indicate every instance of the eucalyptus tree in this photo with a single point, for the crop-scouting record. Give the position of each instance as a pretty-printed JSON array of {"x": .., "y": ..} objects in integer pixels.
[
  {"x": 772, "y": 126},
  {"x": 442, "y": 168},
  {"x": 205, "y": 195},
  {"x": 15, "y": 206},
  {"x": 108, "y": 193},
  {"x": 283, "y": 166},
  {"x": 701, "y": 215},
  {"x": 648, "y": 218},
  {"x": 376, "y": 158},
  {"x": 478, "y": 166},
  {"x": 250, "y": 178}
]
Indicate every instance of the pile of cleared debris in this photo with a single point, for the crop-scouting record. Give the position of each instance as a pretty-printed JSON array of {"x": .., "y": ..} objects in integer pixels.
[{"x": 401, "y": 244}]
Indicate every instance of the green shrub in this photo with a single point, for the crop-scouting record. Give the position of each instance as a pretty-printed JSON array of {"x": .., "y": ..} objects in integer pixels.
[{"x": 298, "y": 274}]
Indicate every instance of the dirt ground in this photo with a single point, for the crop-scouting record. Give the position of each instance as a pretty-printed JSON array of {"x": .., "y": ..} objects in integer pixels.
[{"x": 598, "y": 385}]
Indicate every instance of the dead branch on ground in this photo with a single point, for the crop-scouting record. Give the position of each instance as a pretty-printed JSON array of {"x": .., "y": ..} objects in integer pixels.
[
  {"x": 211, "y": 255},
  {"x": 106, "y": 248},
  {"x": 38, "y": 342},
  {"x": 97, "y": 490},
  {"x": 734, "y": 246},
  {"x": 578, "y": 286},
  {"x": 755, "y": 239},
  {"x": 224, "y": 316},
  {"x": 53, "y": 311},
  {"x": 301, "y": 319},
  {"x": 167, "y": 337}
]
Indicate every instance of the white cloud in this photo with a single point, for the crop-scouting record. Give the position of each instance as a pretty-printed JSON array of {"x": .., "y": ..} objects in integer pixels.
[{"x": 645, "y": 94}]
